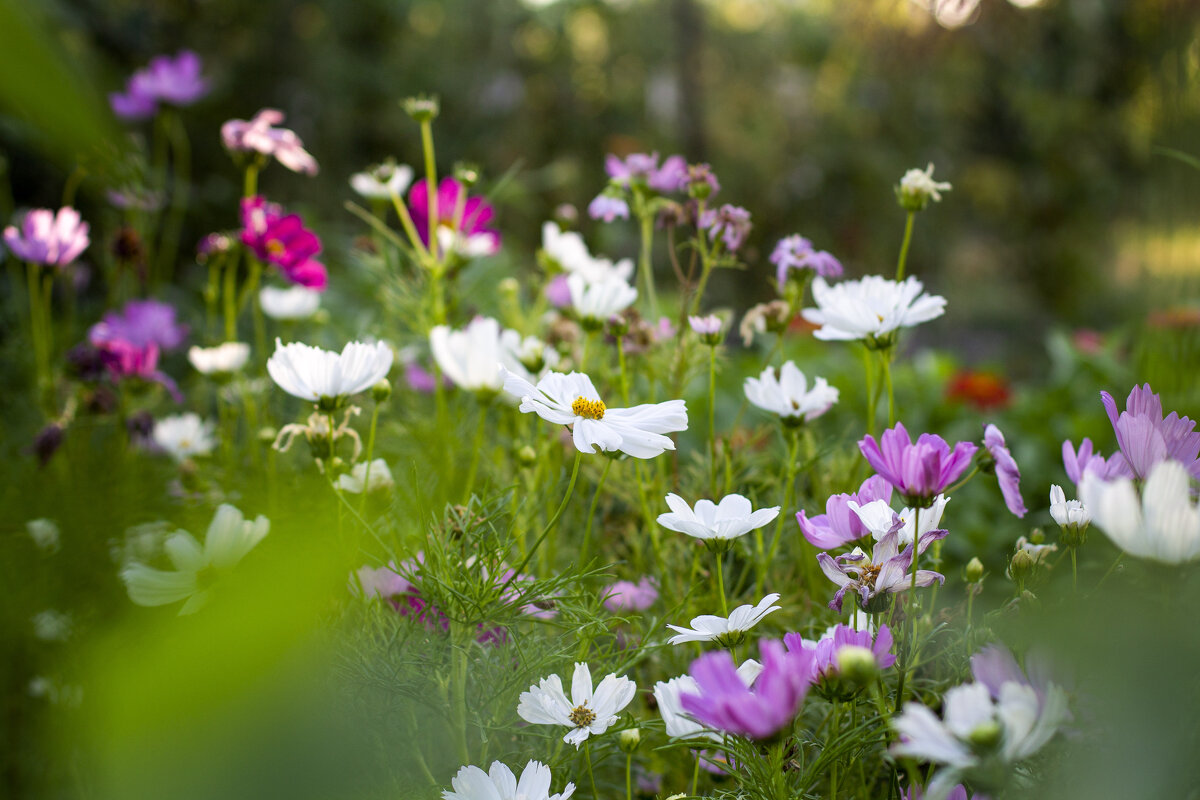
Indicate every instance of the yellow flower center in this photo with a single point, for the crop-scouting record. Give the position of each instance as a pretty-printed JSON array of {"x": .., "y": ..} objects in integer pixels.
[
  {"x": 276, "y": 247},
  {"x": 591, "y": 409},
  {"x": 582, "y": 716}
]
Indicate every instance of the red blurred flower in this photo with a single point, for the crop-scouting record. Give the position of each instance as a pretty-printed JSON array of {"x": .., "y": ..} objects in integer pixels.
[{"x": 984, "y": 390}]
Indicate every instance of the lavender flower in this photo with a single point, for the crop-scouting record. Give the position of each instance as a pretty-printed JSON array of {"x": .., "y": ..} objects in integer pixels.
[
  {"x": 1006, "y": 469},
  {"x": 1081, "y": 462},
  {"x": 48, "y": 237},
  {"x": 175, "y": 80},
  {"x": 884, "y": 572},
  {"x": 840, "y": 524},
  {"x": 826, "y": 666},
  {"x": 726, "y": 704},
  {"x": 140, "y": 323},
  {"x": 608, "y": 207},
  {"x": 796, "y": 253},
  {"x": 259, "y": 135},
  {"x": 641, "y": 169},
  {"x": 700, "y": 182},
  {"x": 1146, "y": 438},
  {"x": 731, "y": 223},
  {"x": 919, "y": 471},
  {"x": 630, "y": 596}
]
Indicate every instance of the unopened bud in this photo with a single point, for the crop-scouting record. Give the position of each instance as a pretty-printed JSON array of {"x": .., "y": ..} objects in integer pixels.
[
  {"x": 857, "y": 664},
  {"x": 618, "y": 325},
  {"x": 336, "y": 466},
  {"x": 974, "y": 570},
  {"x": 421, "y": 108},
  {"x": 527, "y": 456},
  {"x": 1021, "y": 565},
  {"x": 986, "y": 736},
  {"x": 1036, "y": 536},
  {"x": 381, "y": 391},
  {"x": 629, "y": 739}
]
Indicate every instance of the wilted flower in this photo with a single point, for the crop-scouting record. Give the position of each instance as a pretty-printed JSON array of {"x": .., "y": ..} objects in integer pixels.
[
  {"x": 1163, "y": 526},
  {"x": 870, "y": 309},
  {"x": 294, "y": 302},
  {"x": 260, "y": 135},
  {"x": 573, "y": 400},
  {"x": 788, "y": 395},
  {"x": 48, "y": 237},
  {"x": 730, "y": 223},
  {"x": 840, "y": 524},
  {"x": 223, "y": 359},
  {"x": 1006, "y": 469},
  {"x": 586, "y": 713},
  {"x": 168, "y": 80},
  {"x": 630, "y": 596},
  {"x": 795, "y": 253},
  {"x": 499, "y": 783},
  {"x": 281, "y": 239},
  {"x": 918, "y": 187},
  {"x": 725, "y": 630},
  {"x": 731, "y": 518},
  {"x": 773, "y": 316},
  {"x": 1146, "y": 438},
  {"x": 354, "y": 481},
  {"x": 461, "y": 223},
  {"x": 885, "y": 571},
  {"x": 328, "y": 378},
  {"x": 918, "y": 471},
  {"x": 184, "y": 435},
  {"x": 382, "y": 181},
  {"x": 668, "y": 694}
]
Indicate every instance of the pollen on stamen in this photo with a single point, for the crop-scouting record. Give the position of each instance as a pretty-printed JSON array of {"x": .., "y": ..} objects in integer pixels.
[
  {"x": 582, "y": 715},
  {"x": 590, "y": 409}
]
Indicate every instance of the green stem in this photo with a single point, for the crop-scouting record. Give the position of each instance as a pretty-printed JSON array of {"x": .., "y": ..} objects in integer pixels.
[
  {"x": 431, "y": 187},
  {"x": 645, "y": 266},
  {"x": 250, "y": 180},
  {"x": 712, "y": 421},
  {"x": 1074, "y": 572},
  {"x": 230, "y": 299},
  {"x": 587, "y": 533},
  {"x": 480, "y": 430},
  {"x": 963, "y": 482},
  {"x": 181, "y": 163},
  {"x": 872, "y": 397},
  {"x": 629, "y": 776},
  {"x": 553, "y": 520},
  {"x": 833, "y": 767},
  {"x": 721, "y": 584},
  {"x": 624, "y": 371},
  {"x": 459, "y": 669},
  {"x": 362, "y": 501},
  {"x": 908, "y": 229},
  {"x": 789, "y": 492},
  {"x": 587, "y": 755},
  {"x": 885, "y": 358}
]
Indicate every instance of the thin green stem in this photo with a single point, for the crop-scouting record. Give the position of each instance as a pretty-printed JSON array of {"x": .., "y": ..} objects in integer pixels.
[
  {"x": 623, "y": 370},
  {"x": 431, "y": 186},
  {"x": 553, "y": 520},
  {"x": 629, "y": 776},
  {"x": 250, "y": 180},
  {"x": 833, "y": 767},
  {"x": 908, "y": 229},
  {"x": 476, "y": 448},
  {"x": 721, "y": 584},
  {"x": 885, "y": 359},
  {"x": 587, "y": 755},
  {"x": 181, "y": 163},
  {"x": 587, "y": 533},
  {"x": 789, "y": 492},
  {"x": 645, "y": 266},
  {"x": 963, "y": 482},
  {"x": 362, "y": 501},
  {"x": 872, "y": 397},
  {"x": 230, "y": 298},
  {"x": 459, "y": 669},
  {"x": 1074, "y": 572},
  {"x": 712, "y": 421}
]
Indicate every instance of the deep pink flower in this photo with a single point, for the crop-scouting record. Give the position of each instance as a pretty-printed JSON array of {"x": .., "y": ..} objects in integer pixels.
[
  {"x": 797, "y": 253},
  {"x": 461, "y": 222},
  {"x": 46, "y": 237},
  {"x": 260, "y": 135},
  {"x": 125, "y": 360},
  {"x": 919, "y": 471},
  {"x": 1146, "y": 437},
  {"x": 282, "y": 240},
  {"x": 726, "y": 704},
  {"x": 630, "y": 596},
  {"x": 839, "y": 524},
  {"x": 1007, "y": 472},
  {"x": 175, "y": 80},
  {"x": 825, "y": 650},
  {"x": 141, "y": 323}
]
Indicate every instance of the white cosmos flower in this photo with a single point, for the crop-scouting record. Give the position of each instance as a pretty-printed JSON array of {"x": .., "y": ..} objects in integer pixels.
[
  {"x": 469, "y": 357},
  {"x": 382, "y": 181},
  {"x": 467, "y": 245},
  {"x": 230, "y": 537},
  {"x": 918, "y": 187},
  {"x": 529, "y": 351},
  {"x": 585, "y": 713},
  {"x": 568, "y": 250},
  {"x": 573, "y": 400},
  {"x": 788, "y": 395},
  {"x": 182, "y": 436},
  {"x": 296, "y": 302},
  {"x": 220, "y": 360},
  {"x": 596, "y": 301},
  {"x": 499, "y": 783},
  {"x": 1163, "y": 526},
  {"x": 708, "y": 627},
  {"x": 380, "y": 478},
  {"x": 870, "y": 307},
  {"x": 729, "y": 519},
  {"x": 1067, "y": 513},
  {"x": 879, "y": 518},
  {"x": 679, "y": 723},
  {"x": 313, "y": 374}
]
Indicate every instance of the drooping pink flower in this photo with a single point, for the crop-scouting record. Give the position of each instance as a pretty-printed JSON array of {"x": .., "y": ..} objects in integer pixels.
[
  {"x": 281, "y": 239},
  {"x": 125, "y": 360},
  {"x": 461, "y": 223},
  {"x": 885, "y": 571},
  {"x": 839, "y": 524},
  {"x": 1146, "y": 437},
  {"x": 919, "y": 471},
  {"x": 259, "y": 135},
  {"x": 47, "y": 237},
  {"x": 1006, "y": 469}
]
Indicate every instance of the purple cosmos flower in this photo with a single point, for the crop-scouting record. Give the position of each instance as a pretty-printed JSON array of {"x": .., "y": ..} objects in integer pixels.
[
  {"x": 644, "y": 168},
  {"x": 135, "y": 103},
  {"x": 670, "y": 177},
  {"x": 125, "y": 360},
  {"x": 995, "y": 665},
  {"x": 608, "y": 208},
  {"x": 1006, "y": 469},
  {"x": 46, "y": 237},
  {"x": 465, "y": 218},
  {"x": 260, "y": 135},
  {"x": 174, "y": 80},
  {"x": 282, "y": 240},
  {"x": 839, "y": 524},
  {"x": 825, "y": 650},
  {"x": 724, "y": 702},
  {"x": 630, "y": 596},
  {"x": 796, "y": 253},
  {"x": 919, "y": 471},
  {"x": 140, "y": 323},
  {"x": 885, "y": 571},
  {"x": 731, "y": 223},
  {"x": 1078, "y": 464},
  {"x": 1146, "y": 438}
]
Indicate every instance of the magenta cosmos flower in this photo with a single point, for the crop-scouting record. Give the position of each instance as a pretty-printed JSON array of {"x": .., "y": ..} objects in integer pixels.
[
  {"x": 883, "y": 572},
  {"x": 1146, "y": 437},
  {"x": 1007, "y": 472},
  {"x": 920, "y": 471},
  {"x": 46, "y": 237},
  {"x": 839, "y": 524},
  {"x": 826, "y": 649},
  {"x": 260, "y": 135},
  {"x": 281, "y": 239},
  {"x": 461, "y": 222},
  {"x": 124, "y": 360},
  {"x": 174, "y": 80},
  {"x": 140, "y": 323},
  {"x": 795, "y": 253},
  {"x": 726, "y": 704}
]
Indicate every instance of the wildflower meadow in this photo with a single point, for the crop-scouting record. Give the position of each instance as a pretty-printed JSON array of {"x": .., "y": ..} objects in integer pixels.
[{"x": 432, "y": 494}]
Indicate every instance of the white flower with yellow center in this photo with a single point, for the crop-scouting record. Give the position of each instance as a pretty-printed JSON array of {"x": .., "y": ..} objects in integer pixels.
[
  {"x": 296, "y": 302},
  {"x": 499, "y": 783},
  {"x": 726, "y": 630},
  {"x": 586, "y": 713},
  {"x": 182, "y": 436},
  {"x": 788, "y": 395},
  {"x": 573, "y": 400},
  {"x": 325, "y": 377},
  {"x": 870, "y": 308},
  {"x": 596, "y": 301},
  {"x": 224, "y": 359}
]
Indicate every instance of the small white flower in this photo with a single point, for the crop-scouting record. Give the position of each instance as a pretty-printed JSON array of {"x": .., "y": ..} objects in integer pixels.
[
  {"x": 679, "y": 723},
  {"x": 51, "y": 625},
  {"x": 182, "y": 436},
  {"x": 1164, "y": 525},
  {"x": 573, "y": 400},
  {"x": 529, "y": 351},
  {"x": 708, "y": 627},
  {"x": 44, "y": 533},
  {"x": 229, "y": 538},
  {"x": 596, "y": 301},
  {"x": 568, "y": 250},
  {"x": 879, "y": 518},
  {"x": 499, "y": 783},
  {"x": 296, "y": 302},
  {"x": 732, "y": 517},
  {"x": 380, "y": 478},
  {"x": 469, "y": 357},
  {"x": 223, "y": 359},
  {"x": 870, "y": 308},
  {"x": 1067, "y": 513},
  {"x": 788, "y": 395},
  {"x": 586, "y": 713},
  {"x": 317, "y": 375},
  {"x": 467, "y": 245},
  {"x": 918, "y": 187},
  {"x": 382, "y": 181}
]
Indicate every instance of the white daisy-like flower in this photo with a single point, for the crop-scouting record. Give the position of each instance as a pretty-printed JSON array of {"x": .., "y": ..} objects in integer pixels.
[
  {"x": 295, "y": 302},
  {"x": 586, "y": 713},
  {"x": 380, "y": 478},
  {"x": 1067, "y": 513},
  {"x": 734, "y": 516},
  {"x": 726, "y": 630},
  {"x": 596, "y": 301},
  {"x": 469, "y": 357},
  {"x": 788, "y": 394},
  {"x": 1164, "y": 525},
  {"x": 870, "y": 308},
  {"x": 230, "y": 537},
  {"x": 679, "y": 723},
  {"x": 569, "y": 252},
  {"x": 918, "y": 187},
  {"x": 382, "y": 181},
  {"x": 182, "y": 436},
  {"x": 325, "y": 377},
  {"x": 573, "y": 400},
  {"x": 223, "y": 359},
  {"x": 879, "y": 518},
  {"x": 499, "y": 783}
]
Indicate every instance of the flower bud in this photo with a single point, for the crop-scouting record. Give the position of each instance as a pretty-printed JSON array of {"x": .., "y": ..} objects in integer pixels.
[
  {"x": 381, "y": 391},
  {"x": 421, "y": 108},
  {"x": 986, "y": 736},
  {"x": 526, "y": 456},
  {"x": 974, "y": 570},
  {"x": 1021, "y": 565},
  {"x": 618, "y": 325},
  {"x": 336, "y": 466},
  {"x": 267, "y": 434},
  {"x": 857, "y": 664},
  {"x": 629, "y": 739},
  {"x": 467, "y": 174},
  {"x": 1036, "y": 536}
]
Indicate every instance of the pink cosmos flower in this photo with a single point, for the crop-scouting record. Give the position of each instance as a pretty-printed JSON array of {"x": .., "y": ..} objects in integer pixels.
[
  {"x": 884, "y": 572},
  {"x": 839, "y": 524},
  {"x": 1078, "y": 464},
  {"x": 629, "y": 596},
  {"x": 919, "y": 471},
  {"x": 282, "y": 240},
  {"x": 125, "y": 360},
  {"x": 260, "y": 135},
  {"x": 731, "y": 223},
  {"x": 825, "y": 650},
  {"x": 1006, "y": 470},
  {"x": 175, "y": 80},
  {"x": 47, "y": 237},
  {"x": 607, "y": 207},
  {"x": 1146, "y": 437},
  {"x": 461, "y": 222},
  {"x": 797, "y": 253}
]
